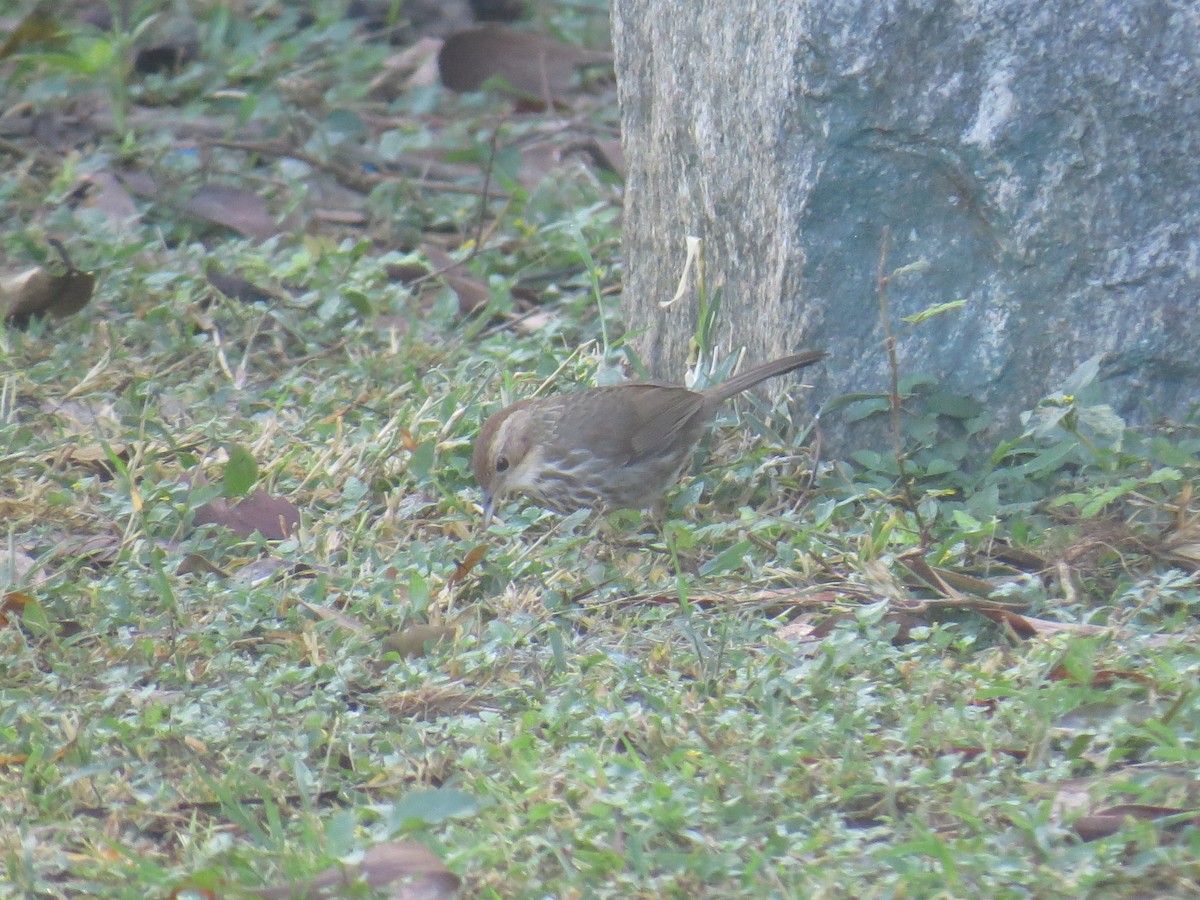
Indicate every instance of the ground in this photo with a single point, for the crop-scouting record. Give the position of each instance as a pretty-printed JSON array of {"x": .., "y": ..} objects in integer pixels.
[{"x": 253, "y": 635}]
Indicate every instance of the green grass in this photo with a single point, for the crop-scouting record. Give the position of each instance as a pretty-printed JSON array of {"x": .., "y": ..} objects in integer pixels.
[{"x": 765, "y": 699}]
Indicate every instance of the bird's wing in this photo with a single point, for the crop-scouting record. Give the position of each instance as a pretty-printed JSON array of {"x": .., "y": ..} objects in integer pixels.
[{"x": 629, "y": 423}]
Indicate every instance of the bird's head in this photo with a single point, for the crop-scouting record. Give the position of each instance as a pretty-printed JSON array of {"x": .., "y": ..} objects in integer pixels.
[{"x": 505, "y": 455}]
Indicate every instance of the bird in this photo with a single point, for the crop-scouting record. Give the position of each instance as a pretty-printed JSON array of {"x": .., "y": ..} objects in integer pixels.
[{"x": 604, "y": 448}]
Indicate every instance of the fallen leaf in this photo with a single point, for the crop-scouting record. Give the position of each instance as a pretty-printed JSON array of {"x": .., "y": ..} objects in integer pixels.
[
  {"x": 409, "y": 871},
  {"x": 330, "y": 614},
  {"x": 946, "y": 581},
  {"x": 15, "y": 564},
  {"x": 1103, "y": 677},
  {"x": 107, "y": 193},
  {"x": 101, "y": 459},
  {"x": 235, "y": 287},
  {"x": 14, "y": 602},
  {"x": 187, "y": 892},
  {"x": 195, "y": 564},
  {"x": 169, "y": 55},
  {"x": 471, "y": 292},
  {"x": 99, "y": 550},
  {"x": 1181, "y": 545},
  {"x": 1028, "y": 626},
  {"x": 470, "y": 561},
  {"x": 38, "y": 27},
  {"x": 605, "y": 155},
  {"x": 415, "y": 66},
  {"x": 263, "y": 569},
  {"x": 1093, "y": 716},
  {"x": 1109, "y": 821},
  {"x": 273, "y": 517},
  {"x": 416, "y": 640},
  {"x": 243, "y": 211},
  {"x": 1017, "y": 557},
  {"x": 535, "y": 66}
]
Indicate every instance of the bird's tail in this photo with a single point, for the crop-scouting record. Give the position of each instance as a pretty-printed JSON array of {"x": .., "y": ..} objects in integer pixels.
[{"x": 749, "y": 379}]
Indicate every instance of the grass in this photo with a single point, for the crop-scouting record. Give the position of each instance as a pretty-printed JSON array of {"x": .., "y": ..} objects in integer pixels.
[{"x": 770, "y": 698}]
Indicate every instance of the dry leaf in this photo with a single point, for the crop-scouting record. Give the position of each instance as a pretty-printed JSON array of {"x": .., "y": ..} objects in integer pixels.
[
  {"x": 1109, "y": 821},
  {"x": 947, "y": 582},
  {"x": 15, "y": 565},
  {"x": 235, "y": 287},
  {"x": 1017, "y": 557},
  {"x": 535, "y": 66},
  {"x": 273, "y": 517},
  {"x": 471, "y": 292},
  {"x": 1028, "y": 626},
  {"x": 37, "y": 28},
  {"x": 99, "y": 550},
  {"x": 408, "y": 870},
  {"x": 195, "y": 564},
  {"x": 261, "y": 570},
  {"x": 415, "y": 640},
  {"x": 606, "y": 155},
  {"x": 415, "y": 66},
  {"x": 14, "y": 603},
  {"x": 243, "y": 211},
  {"x": 107, "y": 193},
  {"x": 473, "y": 558},
  {"x": 329, "y": 614}
]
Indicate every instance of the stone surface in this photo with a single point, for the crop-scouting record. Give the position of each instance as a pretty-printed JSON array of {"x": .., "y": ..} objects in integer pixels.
[{"x": 1044, "y": 159}]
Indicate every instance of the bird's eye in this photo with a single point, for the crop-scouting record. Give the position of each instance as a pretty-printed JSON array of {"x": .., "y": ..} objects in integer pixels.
[{"x": 501, "y": 463}]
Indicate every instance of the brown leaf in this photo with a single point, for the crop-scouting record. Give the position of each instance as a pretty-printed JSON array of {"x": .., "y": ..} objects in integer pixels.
[
  {"x": 14, "y": 602},
  {"x": 189, "y": 891},
  {"x": 235, "y": 287},
  {"x": 1109, "y": 821},
  {"x": 37, "y": 28},
  {"x": 474, "y": 556},
  {"x": 409, "y": 870},
  {"x": 1028, "y": 626},
  {"x": 1017, "y": 557},
  {"x": 16, "y": 564},
  {"x": 35, "y": 292},
  {"x": 243, "y": 211},
  {"x": 606, "y": 155},
  {"x": 96, "y": 457},
  {"x": 946, "y": 581},
  {"x": 327, "y": 200},
  {"x": 329, "y": 614},
  {"x": 273, "y": 517},
  {"x": 1103, "y": 677},
  {"x": 535, "y": 66},
  {"x": 99, "y": 550},
  {"x": 415, "y": 640},
  {"x": 471, "y": 292},
  {"x": 263, "y": 569},
  {"x": 1181, "y": 545},
  {"x": 170, "y": 55},
  {"x": 107, "y": 193},
  {"x": 415, "y": 66},
  {"x": 195, "y": 564}
]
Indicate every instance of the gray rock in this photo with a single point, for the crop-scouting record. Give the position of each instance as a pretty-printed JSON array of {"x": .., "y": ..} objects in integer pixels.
[{"x": 1043, "y": 158}]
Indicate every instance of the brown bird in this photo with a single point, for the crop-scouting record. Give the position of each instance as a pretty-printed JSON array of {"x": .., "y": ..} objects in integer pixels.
[{"x": 604, "y": 448}]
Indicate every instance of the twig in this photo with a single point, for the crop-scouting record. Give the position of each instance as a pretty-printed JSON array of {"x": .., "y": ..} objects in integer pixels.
[
  {"x": 889, "y": 343},
  {"x": 487, "y": 183},
  {"x": 352, "y": 178}
]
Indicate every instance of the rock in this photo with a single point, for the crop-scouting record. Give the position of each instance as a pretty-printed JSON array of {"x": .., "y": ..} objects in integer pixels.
[{"x": 1043, "y": 158}]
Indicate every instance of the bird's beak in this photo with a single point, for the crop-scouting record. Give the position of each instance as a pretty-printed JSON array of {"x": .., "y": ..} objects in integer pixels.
[{"x": 489, "y": 506}]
